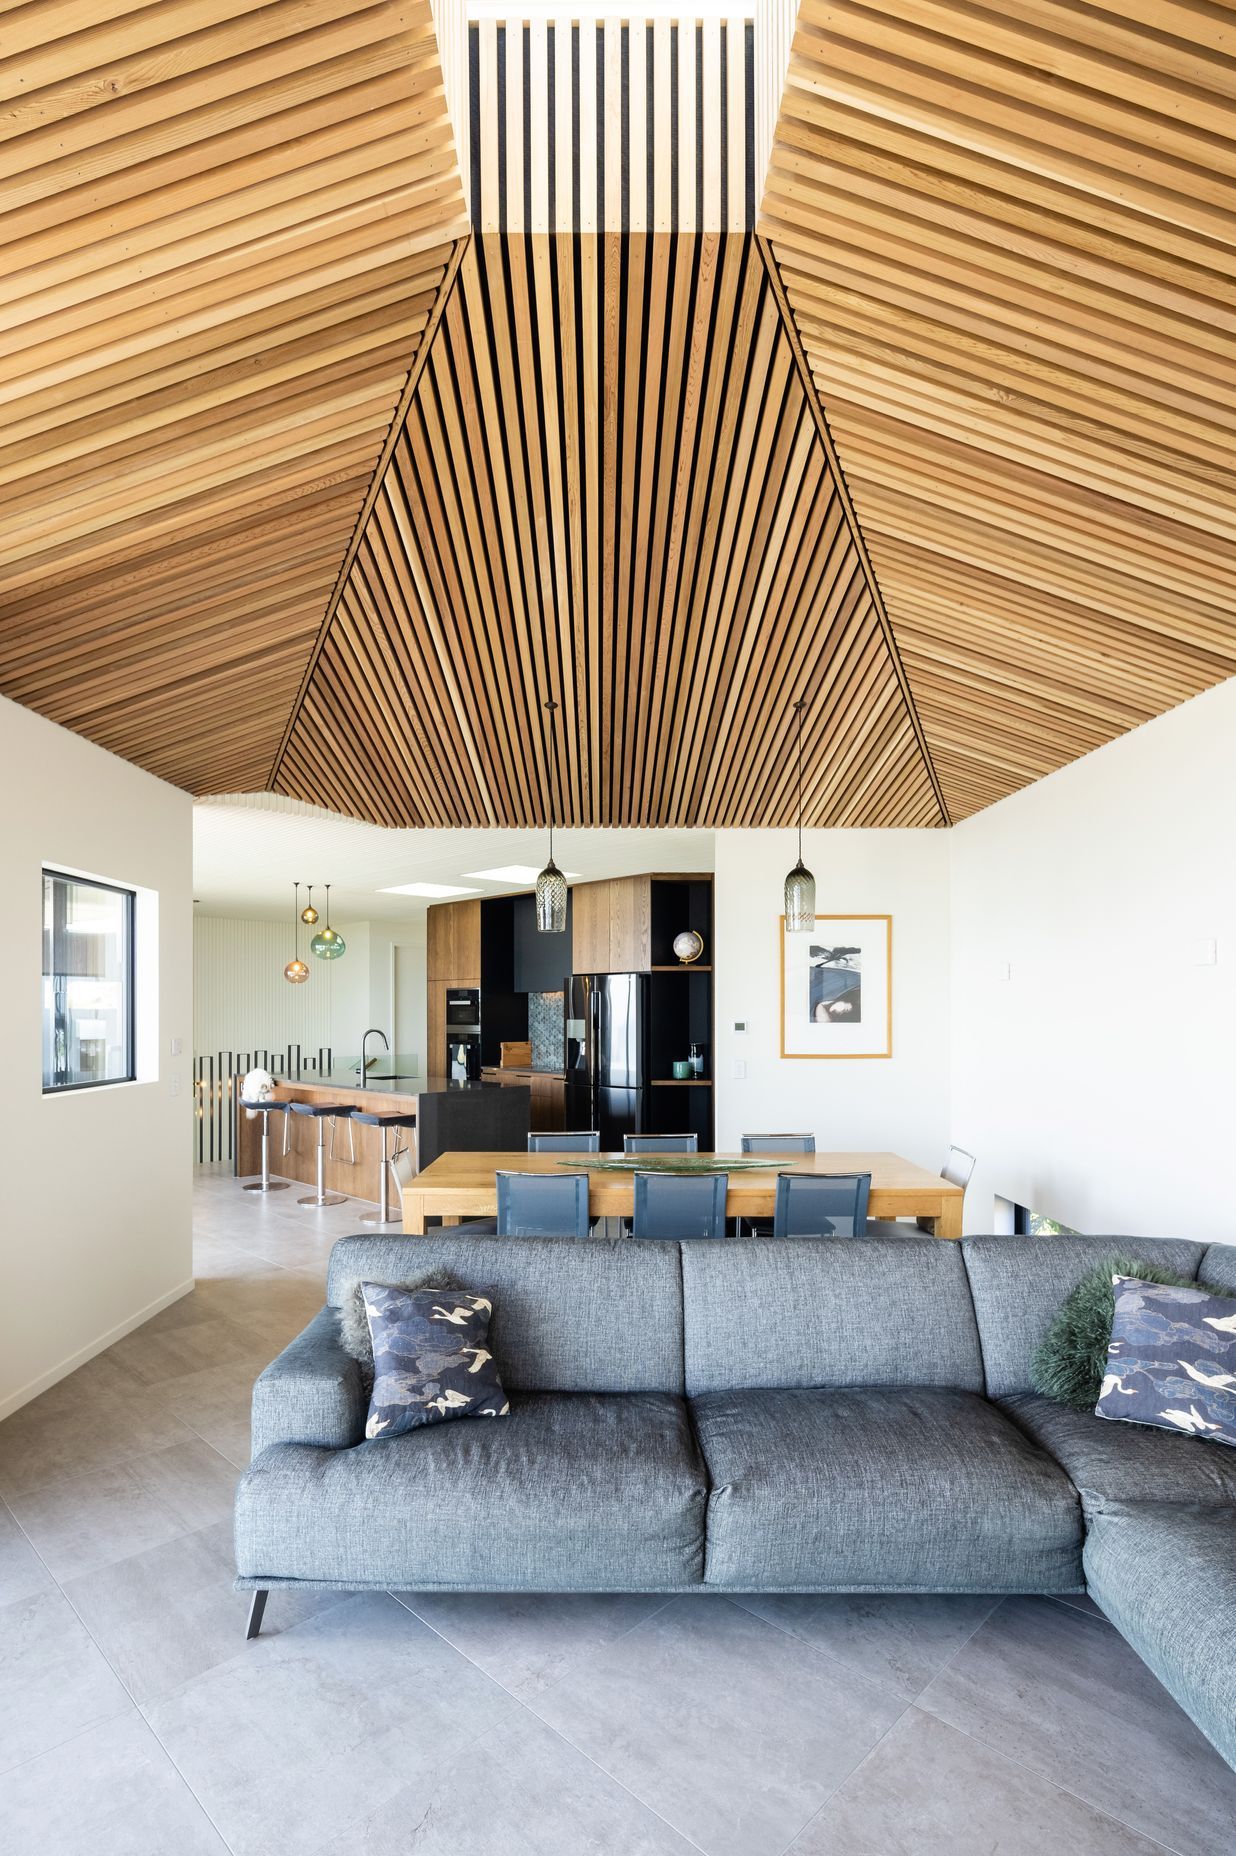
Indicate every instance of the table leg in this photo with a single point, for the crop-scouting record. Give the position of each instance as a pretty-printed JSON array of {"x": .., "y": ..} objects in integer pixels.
[
  {"x": 413, "y": 1215},
  {"x": 947, "y": 1222}
]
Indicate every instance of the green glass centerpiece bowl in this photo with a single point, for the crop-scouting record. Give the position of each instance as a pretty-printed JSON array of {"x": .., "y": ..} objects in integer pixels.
[{"x": 665, "y": 1163}]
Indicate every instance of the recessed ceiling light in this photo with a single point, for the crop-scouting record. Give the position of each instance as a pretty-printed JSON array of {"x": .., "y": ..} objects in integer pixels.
[
  {"x": 518, "y": 873},
  {"x": 426, "y": 889}
]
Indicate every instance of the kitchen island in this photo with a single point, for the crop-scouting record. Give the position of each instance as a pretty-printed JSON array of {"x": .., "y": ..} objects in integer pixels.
[{"x": 358, "y": 1178}]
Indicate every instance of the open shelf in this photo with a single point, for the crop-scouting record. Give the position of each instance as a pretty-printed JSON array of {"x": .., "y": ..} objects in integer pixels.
[
  {"x": 682, "y": 1082},
  {"x": 693, "y": 966}
]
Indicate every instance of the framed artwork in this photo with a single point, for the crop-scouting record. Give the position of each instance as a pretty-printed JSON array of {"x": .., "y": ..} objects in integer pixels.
[{"x": 837, "y": 988}]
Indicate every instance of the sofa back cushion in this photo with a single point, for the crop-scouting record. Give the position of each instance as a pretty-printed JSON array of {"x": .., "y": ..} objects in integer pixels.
[
  {"x": 1218, "y": 1266},
  {"x": 568, "y": 1316},
  {"x": 1018, "y": 1284},
  {"x": 800, "y": 1312}
]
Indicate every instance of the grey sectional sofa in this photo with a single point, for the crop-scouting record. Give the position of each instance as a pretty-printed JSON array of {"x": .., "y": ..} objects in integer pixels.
[{"x": 803, "y": 1416}]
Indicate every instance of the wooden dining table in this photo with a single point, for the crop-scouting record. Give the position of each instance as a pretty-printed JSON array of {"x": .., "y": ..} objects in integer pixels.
[{"x": 457, "y": 1186}]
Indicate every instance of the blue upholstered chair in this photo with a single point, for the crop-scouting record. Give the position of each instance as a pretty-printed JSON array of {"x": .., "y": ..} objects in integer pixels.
[
  {"x": 660, "y": 1143},
  {"x": 532, "y": 1205},
  {"x": 564, "y": 1143},
  {"x": 821, "y": 1205},
  {"x": 679, "y": 1205}
]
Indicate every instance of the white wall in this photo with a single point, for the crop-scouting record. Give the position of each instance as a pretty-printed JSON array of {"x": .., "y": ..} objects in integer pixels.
[
  {"x": 1096, "y": 1082},
  {"x": 95, "y": 1234},
  {"x": 899, "y": 1103}
]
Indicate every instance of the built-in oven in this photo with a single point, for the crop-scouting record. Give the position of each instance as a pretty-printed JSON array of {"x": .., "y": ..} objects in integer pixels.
[{"x": 463, "y": 1009}]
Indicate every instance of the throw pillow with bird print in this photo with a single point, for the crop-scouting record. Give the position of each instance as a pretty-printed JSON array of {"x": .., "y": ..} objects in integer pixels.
[
  {"x": 1171, "y": 1361},
  {"x": 431, "y": 1358}
]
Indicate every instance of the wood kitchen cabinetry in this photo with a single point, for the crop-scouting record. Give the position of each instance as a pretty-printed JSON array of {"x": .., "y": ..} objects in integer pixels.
[
  {"x": 453, "y": 943},
  {"x": 613, "y": 925},
  {"x": 452, "y": 958}
]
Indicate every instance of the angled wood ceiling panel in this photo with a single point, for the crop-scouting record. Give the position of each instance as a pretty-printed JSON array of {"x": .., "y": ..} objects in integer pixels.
[
  {"x": 1008, "y": 239},
  {"x": 611, "y": 490},
  {"x": 224, "y": 230}
]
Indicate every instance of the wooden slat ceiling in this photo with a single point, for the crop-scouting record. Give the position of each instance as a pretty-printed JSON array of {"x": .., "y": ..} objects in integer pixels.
[
  {"x": 224, "y": 231},
  {"x": 611, "y": 489},
  {"x": 1008, "y": 238}
]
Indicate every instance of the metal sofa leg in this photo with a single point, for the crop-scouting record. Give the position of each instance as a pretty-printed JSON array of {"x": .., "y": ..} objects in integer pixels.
[{"x": 256, "y": 1609}]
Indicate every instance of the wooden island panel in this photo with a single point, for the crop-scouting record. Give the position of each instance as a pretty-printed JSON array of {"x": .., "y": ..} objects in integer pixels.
[{"x": 361, "y": 1180}]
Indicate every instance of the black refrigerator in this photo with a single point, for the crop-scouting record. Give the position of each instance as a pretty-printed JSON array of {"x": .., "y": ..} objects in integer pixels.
[{"x": 606, "y": 1039}]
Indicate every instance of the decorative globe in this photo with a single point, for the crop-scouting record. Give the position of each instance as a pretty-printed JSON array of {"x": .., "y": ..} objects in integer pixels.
[
  {"x": 688, "y": 946},
  {"x": 328, "y": 944},
  {"x": 309, "y": 916},
  {"x": 296, "y": 972}
]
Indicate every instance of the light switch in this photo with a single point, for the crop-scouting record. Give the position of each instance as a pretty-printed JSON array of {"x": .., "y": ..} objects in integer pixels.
[
  {"x": 739, "y": 1070},
  {"x": 740, "y": 1026},
  {"x": 173, "y": 1083},
  {"x": 1204, "y": 954},
  {"x": 1003, "y": 970},
  {"x": 177, "y": 1046}
]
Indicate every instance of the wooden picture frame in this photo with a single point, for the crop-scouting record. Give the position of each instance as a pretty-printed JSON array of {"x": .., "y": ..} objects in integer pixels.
[{"x": 839, "y": 1006}]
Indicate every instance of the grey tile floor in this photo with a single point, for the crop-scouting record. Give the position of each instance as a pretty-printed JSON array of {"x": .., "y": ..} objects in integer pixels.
[{"x": 134, "y": 1721}]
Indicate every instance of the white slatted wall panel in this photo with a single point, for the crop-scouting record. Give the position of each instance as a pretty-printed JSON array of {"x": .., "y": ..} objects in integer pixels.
[
  {"x": 240, "y": 997},
  {"x": 774, "y": 34},
  {"x": 604, "y": 126}
]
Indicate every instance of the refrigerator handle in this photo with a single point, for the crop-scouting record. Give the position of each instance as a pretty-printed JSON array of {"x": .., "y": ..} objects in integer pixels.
[{"x": 594, "y": 1034}]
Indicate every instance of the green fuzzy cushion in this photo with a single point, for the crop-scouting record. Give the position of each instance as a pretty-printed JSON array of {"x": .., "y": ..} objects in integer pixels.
[{"x": 1070, "y": 1364}]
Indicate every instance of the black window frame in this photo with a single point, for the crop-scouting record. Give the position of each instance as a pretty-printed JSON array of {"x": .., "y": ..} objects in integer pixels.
[{"x": 130, "y": 979}]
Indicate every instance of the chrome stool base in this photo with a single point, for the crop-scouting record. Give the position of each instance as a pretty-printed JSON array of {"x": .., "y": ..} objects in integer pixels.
[
  {"x": 377, "y": 1218},
  {"x": 320, "y": 1196},
  {"x": 267, "y": 1185}
]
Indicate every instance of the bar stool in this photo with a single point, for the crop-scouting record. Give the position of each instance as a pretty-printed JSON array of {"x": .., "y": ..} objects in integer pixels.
[
  {"x": 266, "y": 1110},
  {"x": 320, "y": 1111},
  {"x": 392, "y": 1119}
]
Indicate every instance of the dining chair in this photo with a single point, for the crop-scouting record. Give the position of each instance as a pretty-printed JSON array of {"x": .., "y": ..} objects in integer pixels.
[
  {"x": 957, "y": 1168},
  {"x": 660, "y": 1143},
  {"x": 564, "y": 1143},
  {"x": 821, "y": 1205},
  {"x": 532, "y": 1205},
  {"x": 679, "y": 1205},
  {"x": 778, "y": 1143}
]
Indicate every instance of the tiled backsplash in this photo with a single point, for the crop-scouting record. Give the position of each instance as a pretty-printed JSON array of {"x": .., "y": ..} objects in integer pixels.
[{"x": 545, "y": 1030}]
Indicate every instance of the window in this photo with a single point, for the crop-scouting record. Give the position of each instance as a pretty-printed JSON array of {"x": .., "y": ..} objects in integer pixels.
[
  {"x": 87, "y": 983},
  {"x": 1036, "y": 1224}
]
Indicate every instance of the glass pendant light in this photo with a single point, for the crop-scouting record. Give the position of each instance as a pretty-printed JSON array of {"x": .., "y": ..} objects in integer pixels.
[
  {"x": 551, "y": 887},
  {"x": 800, "y": 884},
  {"x": 309, "y": 915},
  {"x": 327, "y": 943},
  {"x": 296, "y": 972}
]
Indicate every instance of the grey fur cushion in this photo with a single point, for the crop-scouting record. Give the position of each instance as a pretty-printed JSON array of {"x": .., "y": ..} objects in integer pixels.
[{"x": 354, "y": 1335}]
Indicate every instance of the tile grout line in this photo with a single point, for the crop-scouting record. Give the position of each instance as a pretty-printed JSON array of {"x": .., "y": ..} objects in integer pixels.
[
  {"x": 1065, "y": 1791},
  {"x": 549, "y": 1727}
]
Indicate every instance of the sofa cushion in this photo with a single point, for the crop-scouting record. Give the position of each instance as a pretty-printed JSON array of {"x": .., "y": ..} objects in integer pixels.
[
  {"x": 605, "y": 1316},
  {"x": 1218, "y": 1266},
  {"x": 827, "y": 1312},
  {"x": 1124, "y": 1463},
  {"x": 1172, "y": 1361},
  {"x": 573, "y": 1492},
  {"x": 897, "y": 1489},
  {"x": 1166, "y": 1577},
  {"x": 1018, "y": 1284}
]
